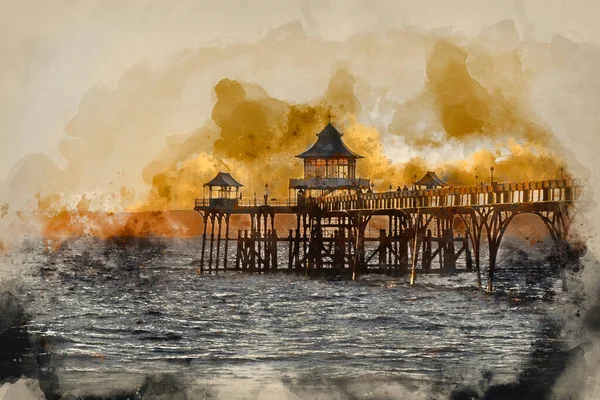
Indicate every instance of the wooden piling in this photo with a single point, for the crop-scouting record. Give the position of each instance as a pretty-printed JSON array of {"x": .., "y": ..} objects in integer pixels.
[
  {"x": 212, "y": 241},
  {"x": 226, "y": 255},
  {"x": 382, "y": 249},
  {"x": 413, "y": 272},
  {"x": 204, "y": 222},
  {"x": 427, "y": 252},
  {"x": 449, "y": 261},
  {"x": 290, "y": 250},
  {"x": 238, "y": 251},
  {"x": 219, "y": 220}
]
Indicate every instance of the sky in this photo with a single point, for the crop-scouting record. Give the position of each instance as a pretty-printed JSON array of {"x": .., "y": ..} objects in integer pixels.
[{"x": 68, "y": 65}]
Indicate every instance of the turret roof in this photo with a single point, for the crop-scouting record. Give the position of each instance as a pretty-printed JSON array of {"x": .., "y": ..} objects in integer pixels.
[
  {"x": 329, "y": 145},
  {"x": 223, "y": 179}
]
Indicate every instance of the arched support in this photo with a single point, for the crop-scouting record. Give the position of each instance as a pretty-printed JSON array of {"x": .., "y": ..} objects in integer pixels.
[
  {"x": 558, "y": 222},
  {"x": 496, "y": 220},
  {"x": 473, "y": 229}
]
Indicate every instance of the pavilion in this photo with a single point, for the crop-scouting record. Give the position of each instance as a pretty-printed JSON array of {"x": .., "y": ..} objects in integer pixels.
[{"x": 329, "y": 166}]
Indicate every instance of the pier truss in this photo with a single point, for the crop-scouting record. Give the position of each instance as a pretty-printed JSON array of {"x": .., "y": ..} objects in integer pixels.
[{"x": 419, "y": 231}]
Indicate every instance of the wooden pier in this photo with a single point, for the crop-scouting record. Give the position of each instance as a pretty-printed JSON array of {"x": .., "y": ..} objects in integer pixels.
[
  {"x": 431, "y": 228},
  {"x": 329, "y": 237}
]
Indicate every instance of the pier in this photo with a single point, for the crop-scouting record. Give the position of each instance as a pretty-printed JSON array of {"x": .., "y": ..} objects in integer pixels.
[{"x": 431, "y": 227}]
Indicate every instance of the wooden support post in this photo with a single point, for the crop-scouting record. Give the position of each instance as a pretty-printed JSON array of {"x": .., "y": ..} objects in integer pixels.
[
  {"x": 305, "y": 242},
  {"x": 413, "y": 271},
  {"x": 252, "y": 244},
  {"x": 404, "y": 252},
  {"x": 492, "y": 266},
  {"x": 238, "y": 252},
  {"x": 440, "y": 250},
  {"x": 468, "y": 256},
  {"x": 359, "y": 255},
  {"x": 318, "y": 248},
  {"x": 440, "y": 242},
  {"x": 449, "y": 261},
  {"x": 360, "y": 265},
  {"x": 356, "y": 256},
  {"x": 382, "y": 250},
  {"x": 266, "y": 249},
  {"x": 399, "y": 247},
  {"x": 297, "y": 263},
  {"x": 258, "y": 238},
  {"x": 273, "y": 244},
  {"x": 339, "y": 250},
  {"x": 225, "y": 253},
  {"x": 219, "y": 220},
  {"x": 390, "y": 253},
  {"x": 390, "y": 244},
  {"x": 427, "y": 252},
  {"x": 290, "y": 251},
  {"x": 274, "y": 250},
  {"x": 212, "y": 241},
  {"x": 307, "y": 253},
  {"x": 476, "y": 248},
  {"x": 204, "y": 222},
  {"x": 246, "y": 248},
  {"x": 349, "y": 249}
]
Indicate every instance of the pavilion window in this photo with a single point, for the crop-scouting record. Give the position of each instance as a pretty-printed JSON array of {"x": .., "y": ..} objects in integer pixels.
[
  {"x": 341, "y": 168},
  {"x": 320, "y": 168},
  {"x": 309, "y": 168},
  {"x": 332, "y": 169},
  {"x": 351, "y": 171}
]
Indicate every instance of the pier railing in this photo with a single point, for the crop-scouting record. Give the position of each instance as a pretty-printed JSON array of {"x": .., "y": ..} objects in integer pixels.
[
  {"x": 477, "y": 195},
  {"x": 202, "y": 202},
  {"x": 558, "y": 190}
]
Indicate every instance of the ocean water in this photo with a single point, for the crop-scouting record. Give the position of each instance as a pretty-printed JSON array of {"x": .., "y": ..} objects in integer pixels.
[{"x": 113, "y": 314}]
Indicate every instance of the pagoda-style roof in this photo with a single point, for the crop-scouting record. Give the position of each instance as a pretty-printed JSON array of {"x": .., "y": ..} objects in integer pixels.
[
  {"x": 223, "y": 179},
  {"x": 430, "y": 180},
  {"x": 329, "y": 145}
]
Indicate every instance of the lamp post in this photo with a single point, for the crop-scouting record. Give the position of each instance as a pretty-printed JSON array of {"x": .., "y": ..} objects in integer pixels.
[
  {"x": 492, "y": 175},
  {"x": 415, "y": 182},
  {"x": 562, "y": 173},
  {"x": 476, "y": 176},
  {"x": 266, "y": 193}
]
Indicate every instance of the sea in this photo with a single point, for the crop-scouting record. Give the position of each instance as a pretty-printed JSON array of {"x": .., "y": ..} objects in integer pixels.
[{"x": 136, "y": 319}]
